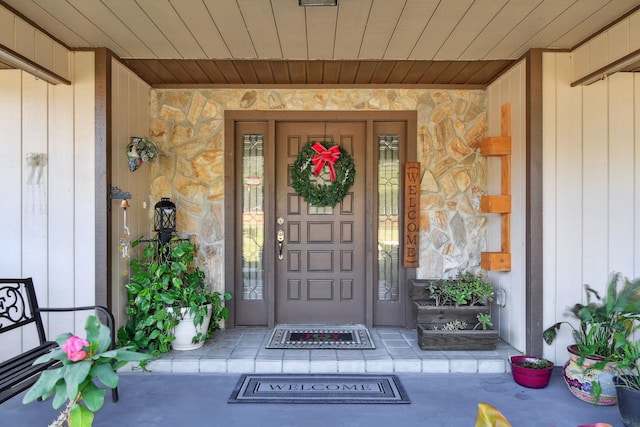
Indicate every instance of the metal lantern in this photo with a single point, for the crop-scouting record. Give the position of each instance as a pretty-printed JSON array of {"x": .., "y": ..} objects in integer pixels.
[{"x": 165, "y": 219}]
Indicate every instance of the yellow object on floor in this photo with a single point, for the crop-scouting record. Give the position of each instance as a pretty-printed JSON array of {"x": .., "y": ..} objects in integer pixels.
[{"x": 489, "y": 416}]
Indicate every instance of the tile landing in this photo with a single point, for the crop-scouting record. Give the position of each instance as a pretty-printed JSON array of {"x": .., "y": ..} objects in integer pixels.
[{"x": 242, "y": 350}]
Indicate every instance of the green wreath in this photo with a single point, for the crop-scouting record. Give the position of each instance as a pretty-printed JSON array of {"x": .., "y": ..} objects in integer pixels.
[{"x": 313, "y": 158}]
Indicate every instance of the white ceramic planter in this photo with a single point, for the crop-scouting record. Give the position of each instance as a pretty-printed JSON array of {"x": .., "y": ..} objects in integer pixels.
[{"x": 186, "y": 330}]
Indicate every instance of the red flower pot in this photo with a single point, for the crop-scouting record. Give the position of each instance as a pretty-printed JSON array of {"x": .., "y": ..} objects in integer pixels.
[{"x": 530, "y": 376}]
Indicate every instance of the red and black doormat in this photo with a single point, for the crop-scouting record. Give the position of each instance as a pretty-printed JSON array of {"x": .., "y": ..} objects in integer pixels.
[{"x": 351, "y": 337}]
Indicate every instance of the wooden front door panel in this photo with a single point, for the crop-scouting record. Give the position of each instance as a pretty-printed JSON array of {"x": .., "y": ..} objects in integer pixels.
[{"x": 321, "y": 276}]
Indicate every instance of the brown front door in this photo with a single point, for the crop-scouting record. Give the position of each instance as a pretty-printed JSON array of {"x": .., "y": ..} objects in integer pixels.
[{"x": 320, "y": 277}]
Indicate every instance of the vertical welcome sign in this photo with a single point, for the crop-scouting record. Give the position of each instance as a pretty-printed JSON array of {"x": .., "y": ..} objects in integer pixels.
[{"x": 411, "y": 213}]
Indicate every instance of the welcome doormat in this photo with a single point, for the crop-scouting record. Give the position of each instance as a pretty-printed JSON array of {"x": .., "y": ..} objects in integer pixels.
[
  {"x": 318, "y": 388},
  {"x": 317, "y": 338}
]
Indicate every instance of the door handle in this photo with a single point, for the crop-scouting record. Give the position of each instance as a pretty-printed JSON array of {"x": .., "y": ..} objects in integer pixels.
[{"x": 280, "y": 239}]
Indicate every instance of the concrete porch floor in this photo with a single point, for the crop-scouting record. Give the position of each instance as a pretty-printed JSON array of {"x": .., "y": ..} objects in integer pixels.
[
  {"x": 242, "y": 350},
  {"x": 437, "y": 400},
  {"x": 192, "y": 388}
]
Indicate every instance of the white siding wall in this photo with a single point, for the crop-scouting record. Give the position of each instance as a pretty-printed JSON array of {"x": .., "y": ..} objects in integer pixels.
[
  {"x": 49, "y": 218},
  {"x": 591, "y": 169},
  {"x": 130, "y": 107},
  {"x": 620, "y": 40},
  {"x": 510, "y": 88}
]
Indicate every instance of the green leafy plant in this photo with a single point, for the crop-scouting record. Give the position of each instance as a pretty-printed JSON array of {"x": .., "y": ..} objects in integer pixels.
[
  {"x": 533, "y": 363},
  {"x": 454, "y": 325},
  {"x": 605, "y": 326},
  {"x": 167, "y": 276},
  {"x": 605, "y": 323},
  {"x": 627, "y": 366},
  {"x": 83, "y": 361},
  {"x": 484, "y": 320},
  {"x": 467, "y": 289}
]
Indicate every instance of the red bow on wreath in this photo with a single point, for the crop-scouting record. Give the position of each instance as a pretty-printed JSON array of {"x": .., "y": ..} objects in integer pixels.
[{"x": 323, "y": 157}]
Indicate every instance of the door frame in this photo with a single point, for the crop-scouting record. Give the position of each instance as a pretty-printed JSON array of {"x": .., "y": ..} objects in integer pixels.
[{"x": 231, "y": 226}]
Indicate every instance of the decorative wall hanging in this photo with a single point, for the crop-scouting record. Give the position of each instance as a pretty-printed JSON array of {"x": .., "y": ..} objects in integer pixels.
[
  {"x": 309, "y": 179},
  {"x": 411, "y": 214},
  {"x": 139, "y": 151},
  {"x": 36, "y": 196},
  {"x": 36, "y": 163}
]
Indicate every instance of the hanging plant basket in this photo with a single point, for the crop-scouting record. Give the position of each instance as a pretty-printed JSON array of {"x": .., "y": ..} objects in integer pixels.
[
  {"x": 139, "y": 151},
  {"x": 310, "y": 168}
]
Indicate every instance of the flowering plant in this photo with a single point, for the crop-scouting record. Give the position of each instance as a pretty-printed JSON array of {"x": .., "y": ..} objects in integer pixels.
[{"x": 82, "y": 360}]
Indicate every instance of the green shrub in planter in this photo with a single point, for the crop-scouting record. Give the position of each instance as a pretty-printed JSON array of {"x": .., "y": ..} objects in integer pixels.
[
  {"x": 167, "y": 276},
  {"x": 467, "y": 289}
]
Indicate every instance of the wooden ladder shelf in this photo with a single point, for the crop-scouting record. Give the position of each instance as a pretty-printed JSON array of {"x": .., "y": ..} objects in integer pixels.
[{"x": 500, "y": 146}]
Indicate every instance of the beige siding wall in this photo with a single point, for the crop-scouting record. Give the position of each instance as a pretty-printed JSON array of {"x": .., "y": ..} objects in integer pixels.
[
  {"x": 509, "y": 319},
  {"x": 21, "y": 37},
  {"x": 130, "y": 108},
  {"x": 591, "y": 164},
  {"x": 50, "y": 208}
]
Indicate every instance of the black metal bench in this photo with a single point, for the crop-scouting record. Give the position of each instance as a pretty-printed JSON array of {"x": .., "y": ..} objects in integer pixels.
[{"x": 19, "y": 310}]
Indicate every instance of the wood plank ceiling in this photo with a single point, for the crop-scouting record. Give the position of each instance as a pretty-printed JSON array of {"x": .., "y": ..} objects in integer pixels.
[
  {"x": 277, "y": 42},
  {"x": 259, "y": 72}
]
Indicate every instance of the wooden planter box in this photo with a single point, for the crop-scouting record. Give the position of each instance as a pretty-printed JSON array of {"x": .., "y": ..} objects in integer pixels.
[
  {"x": 430, "y": 339},
  {"x": 425, "y": 311},
  {"x": 418, "y": 288}
]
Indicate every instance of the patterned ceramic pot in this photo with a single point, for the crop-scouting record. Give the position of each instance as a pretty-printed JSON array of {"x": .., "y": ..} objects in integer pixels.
[
  {"x": 581, "y": 378},
  {"x": 134, "y": 160}
]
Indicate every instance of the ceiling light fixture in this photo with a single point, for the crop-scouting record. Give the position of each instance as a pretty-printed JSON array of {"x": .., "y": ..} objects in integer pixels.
[
  {"x": 16, "y": 60},
  {"x": 305, "y": 3}
]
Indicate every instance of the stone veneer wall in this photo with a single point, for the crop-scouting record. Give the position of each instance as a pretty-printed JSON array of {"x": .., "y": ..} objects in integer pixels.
[{"x": 188, "y": 126}]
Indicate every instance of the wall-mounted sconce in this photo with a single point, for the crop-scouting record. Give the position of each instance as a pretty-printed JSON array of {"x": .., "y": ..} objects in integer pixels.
[
  {"x": 164, "y": 222},
  {"x": 118, "y": 194}
]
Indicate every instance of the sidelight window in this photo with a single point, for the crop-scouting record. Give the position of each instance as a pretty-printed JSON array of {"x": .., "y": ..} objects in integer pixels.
[
  {"x": 388, "y": 216},
  {"x": 253, "y": 217}
]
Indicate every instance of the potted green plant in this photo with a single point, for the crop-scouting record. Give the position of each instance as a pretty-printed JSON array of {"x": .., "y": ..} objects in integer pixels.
[
  {"x": 166, "y": 291},
  {"x": 627, "y": 380},
  {"x": 605, "y": 324},
  {"x": 454, "y": 314}
]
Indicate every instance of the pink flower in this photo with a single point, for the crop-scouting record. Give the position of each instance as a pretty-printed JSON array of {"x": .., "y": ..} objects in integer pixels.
[{"x": 73, "y": 347}]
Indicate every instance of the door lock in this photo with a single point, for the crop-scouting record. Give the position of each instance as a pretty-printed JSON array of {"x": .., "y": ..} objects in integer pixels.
[{"x": 280, "y": 239}]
